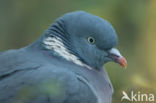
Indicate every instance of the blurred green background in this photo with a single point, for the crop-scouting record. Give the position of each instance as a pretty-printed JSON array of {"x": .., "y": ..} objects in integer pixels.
[{"x": 23, "y": 21}]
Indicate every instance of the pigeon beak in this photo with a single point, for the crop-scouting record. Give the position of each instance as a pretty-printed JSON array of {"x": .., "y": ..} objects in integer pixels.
[
  {"x": 122, "y": 61},
  {"x": 117, "y": 57}
]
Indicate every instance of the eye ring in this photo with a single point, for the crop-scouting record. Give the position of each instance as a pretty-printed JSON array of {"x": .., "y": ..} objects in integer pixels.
[{"x": 91, "y": 40}]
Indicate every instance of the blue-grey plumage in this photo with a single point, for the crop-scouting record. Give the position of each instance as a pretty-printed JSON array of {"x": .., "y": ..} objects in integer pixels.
[{"x": 65, "y": 65}]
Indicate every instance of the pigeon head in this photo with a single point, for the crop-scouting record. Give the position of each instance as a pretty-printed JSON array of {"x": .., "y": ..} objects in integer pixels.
[{"x": 84, "y": 39}]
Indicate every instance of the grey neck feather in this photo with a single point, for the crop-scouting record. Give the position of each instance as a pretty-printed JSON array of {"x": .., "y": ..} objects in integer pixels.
[{"x": 57, "y": 40}]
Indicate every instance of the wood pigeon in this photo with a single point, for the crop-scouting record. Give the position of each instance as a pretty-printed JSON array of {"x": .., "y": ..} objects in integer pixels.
[{"x": 65, "y": 65}]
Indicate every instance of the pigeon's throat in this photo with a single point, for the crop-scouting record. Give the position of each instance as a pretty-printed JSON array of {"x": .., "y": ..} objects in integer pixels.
[{"x": 56, "y": 45}]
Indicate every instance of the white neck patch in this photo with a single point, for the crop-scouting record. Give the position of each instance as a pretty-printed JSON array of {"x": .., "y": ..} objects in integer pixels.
[{"x": 55, "y": 44}]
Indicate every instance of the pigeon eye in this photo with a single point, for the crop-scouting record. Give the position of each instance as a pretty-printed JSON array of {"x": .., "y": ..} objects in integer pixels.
[{"x": 91, "y": 40}]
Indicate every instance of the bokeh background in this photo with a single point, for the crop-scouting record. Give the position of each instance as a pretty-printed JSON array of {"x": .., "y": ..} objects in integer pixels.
[{"x": 23, "y": 21}]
